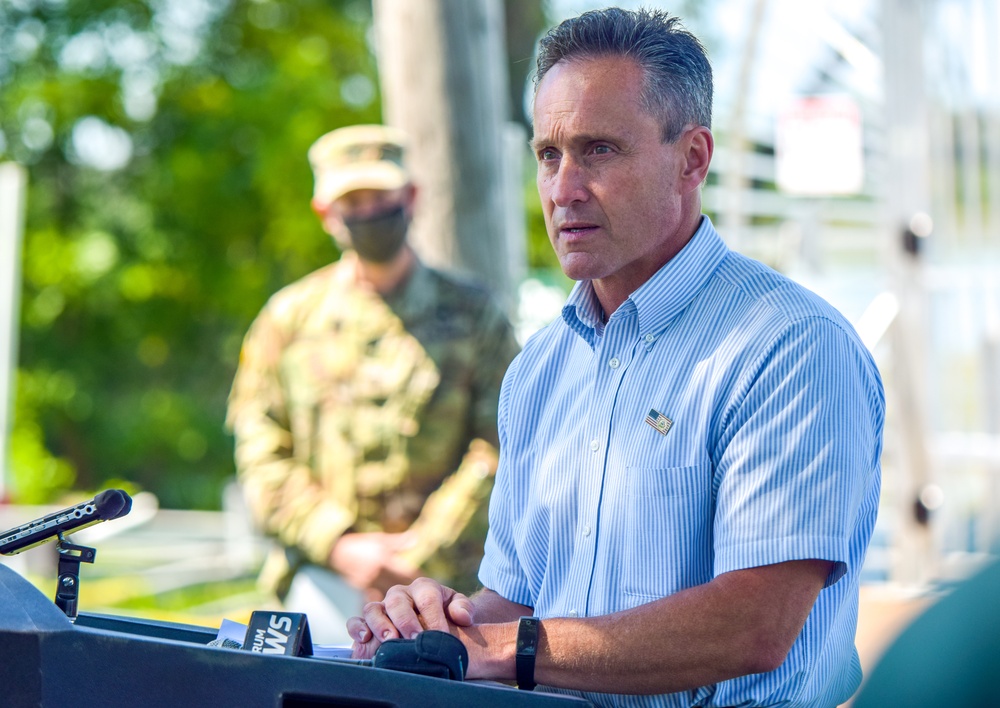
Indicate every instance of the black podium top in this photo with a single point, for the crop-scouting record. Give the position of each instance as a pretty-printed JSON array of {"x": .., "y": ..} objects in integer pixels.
[{"x": 46, "y": 660}]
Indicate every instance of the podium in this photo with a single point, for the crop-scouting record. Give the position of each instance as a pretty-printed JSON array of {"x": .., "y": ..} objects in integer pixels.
[{"x": 108, "y": 661}]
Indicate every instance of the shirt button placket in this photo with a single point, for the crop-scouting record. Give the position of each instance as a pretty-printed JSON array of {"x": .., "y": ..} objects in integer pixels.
[{"x": 583, "y": 561}]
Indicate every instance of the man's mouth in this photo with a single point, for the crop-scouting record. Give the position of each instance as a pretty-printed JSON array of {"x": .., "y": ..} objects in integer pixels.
[{"x": 576, "y": 228}]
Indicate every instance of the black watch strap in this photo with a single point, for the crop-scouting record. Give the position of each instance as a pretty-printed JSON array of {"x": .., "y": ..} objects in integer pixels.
[{"x": 527, "y": 648}]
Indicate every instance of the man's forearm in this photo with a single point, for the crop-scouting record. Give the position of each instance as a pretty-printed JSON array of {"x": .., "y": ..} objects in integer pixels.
[{"x": 740, "y": 623}]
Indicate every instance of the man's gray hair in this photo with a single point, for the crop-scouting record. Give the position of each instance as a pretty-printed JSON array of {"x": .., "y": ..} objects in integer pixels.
[{"x": 677, "y": 88}]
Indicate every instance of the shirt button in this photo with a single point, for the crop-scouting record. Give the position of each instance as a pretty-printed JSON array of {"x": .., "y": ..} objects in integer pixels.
[
  {"x": 614, "y": 363},
  {"x": 650, "y": 338},
  {"x": 586, "y": 530},
  {"x": 594, "y": 445},
  {"x": 572, "y": 613}
]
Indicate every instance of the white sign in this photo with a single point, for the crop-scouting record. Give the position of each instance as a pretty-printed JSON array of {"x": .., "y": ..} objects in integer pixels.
[{"x": 818, "y": 147}]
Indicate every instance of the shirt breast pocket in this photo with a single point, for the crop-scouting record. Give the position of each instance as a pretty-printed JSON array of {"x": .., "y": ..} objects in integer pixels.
[{"x": 669, "y": 529}]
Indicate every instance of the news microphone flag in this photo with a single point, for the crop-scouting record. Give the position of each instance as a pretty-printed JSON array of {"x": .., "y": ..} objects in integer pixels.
[{"x": 278, "y": 633}]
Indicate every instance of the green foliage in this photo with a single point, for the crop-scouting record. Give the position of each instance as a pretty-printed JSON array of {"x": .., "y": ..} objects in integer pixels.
[
  {"x": 168, "y": 198},
  {"x": 540, "y": 255},
  {"x": 183, "y": 599},
  {"x": 38, "y": 475}
]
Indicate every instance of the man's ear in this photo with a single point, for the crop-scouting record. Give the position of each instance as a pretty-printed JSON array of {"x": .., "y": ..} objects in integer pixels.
[
  {"x": 331, "y": 220},
  {"x": 698, "y": 145},
  {"x": 410, "y": 199}
]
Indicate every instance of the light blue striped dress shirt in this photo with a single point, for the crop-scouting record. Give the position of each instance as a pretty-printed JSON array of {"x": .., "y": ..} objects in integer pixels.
[{"x": 723, "y": 418}]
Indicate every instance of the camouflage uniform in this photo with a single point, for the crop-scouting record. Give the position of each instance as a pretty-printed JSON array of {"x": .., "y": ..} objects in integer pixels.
[{"x": 355, "y": 412}]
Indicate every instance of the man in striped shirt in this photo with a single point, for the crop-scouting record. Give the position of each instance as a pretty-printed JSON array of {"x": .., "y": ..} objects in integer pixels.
[{"x": 689, "y": 469}]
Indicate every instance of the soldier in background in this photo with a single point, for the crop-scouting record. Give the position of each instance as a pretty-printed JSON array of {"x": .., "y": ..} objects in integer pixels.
[{"x": 364, "y": 405}]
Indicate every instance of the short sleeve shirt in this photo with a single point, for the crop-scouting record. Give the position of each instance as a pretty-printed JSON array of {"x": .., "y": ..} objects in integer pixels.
[{"x": 723, "y": 418}]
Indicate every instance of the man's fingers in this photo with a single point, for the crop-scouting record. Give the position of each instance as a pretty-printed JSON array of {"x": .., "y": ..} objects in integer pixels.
[
  {"x": 408, "y": 610},
  {"x": 403, "y": 604},
  {"x": 365, "y": 643},
  {"x": 379, "y": 624},
  {"x": 361, "y": 651},
  {"x": 358, "y": 630},
  {"x": 365, "y": 650},
  {"x": 459, "y": 609}
]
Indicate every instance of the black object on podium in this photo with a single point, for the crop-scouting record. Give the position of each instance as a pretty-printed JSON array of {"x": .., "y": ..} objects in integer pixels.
[{"x": 106, "y": 661}]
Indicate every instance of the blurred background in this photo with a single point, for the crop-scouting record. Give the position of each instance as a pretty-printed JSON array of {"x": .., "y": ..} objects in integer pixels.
[{"x": 154, "y": 192}]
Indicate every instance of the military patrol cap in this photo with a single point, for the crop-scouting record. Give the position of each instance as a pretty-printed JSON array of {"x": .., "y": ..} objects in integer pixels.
[{"x": 358, "y": 157}]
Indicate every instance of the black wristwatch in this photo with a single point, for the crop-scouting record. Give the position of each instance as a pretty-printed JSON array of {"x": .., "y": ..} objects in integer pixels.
[{"x": 527, "y": 648}]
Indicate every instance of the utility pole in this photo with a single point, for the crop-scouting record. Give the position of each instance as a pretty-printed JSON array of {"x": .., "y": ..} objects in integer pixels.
[
  {"x": 444, "y": 82},
  {"x": 13, "y": 181},
  {"x": 908, "y": 224}
]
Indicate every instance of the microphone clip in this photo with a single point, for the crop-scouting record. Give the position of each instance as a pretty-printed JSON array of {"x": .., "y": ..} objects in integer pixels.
[{"x": 68, "y": 582}]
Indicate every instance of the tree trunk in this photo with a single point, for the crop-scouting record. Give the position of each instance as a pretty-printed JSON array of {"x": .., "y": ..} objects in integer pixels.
[{"x": 444, "y": 82}]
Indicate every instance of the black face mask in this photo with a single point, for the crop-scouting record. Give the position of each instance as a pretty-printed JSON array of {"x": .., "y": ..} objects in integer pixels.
[{"x": 378, "y": 238}]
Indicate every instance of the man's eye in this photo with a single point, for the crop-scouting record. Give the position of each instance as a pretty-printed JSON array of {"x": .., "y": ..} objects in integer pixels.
[
  {"x": 547, "y": 154},
  {"x": 602, "y": 150}
]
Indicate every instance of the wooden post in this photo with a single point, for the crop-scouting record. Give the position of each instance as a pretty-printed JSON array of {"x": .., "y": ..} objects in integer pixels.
[
  {"x": 13, "y": 181},
  {"x": 443, "y": 76}
]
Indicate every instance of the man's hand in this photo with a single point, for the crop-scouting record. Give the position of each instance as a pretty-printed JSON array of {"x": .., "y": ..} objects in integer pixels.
[
  {"x": 370, "y": 561},
  {"x": 741, "y": 622},
  {"x": 406, "y": 611}
]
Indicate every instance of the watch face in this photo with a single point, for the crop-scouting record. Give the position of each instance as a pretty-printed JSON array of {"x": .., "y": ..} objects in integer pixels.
[
  {"x": 527, "y": 635},
  {"x": 527, "y": 647}
]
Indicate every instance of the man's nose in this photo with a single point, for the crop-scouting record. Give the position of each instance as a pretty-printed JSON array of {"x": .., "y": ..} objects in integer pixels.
[
  {"x": 569, "y": 183},
  {"x": 366, "y": 211}
]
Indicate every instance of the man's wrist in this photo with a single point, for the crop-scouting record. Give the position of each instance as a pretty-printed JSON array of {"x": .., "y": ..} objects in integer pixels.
[{"x": 492, "y": 648}]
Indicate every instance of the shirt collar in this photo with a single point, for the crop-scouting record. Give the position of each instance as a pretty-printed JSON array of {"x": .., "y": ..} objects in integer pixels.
[
  {"x": 661, "y": 298},
  {"x": 583, "y": 312}
]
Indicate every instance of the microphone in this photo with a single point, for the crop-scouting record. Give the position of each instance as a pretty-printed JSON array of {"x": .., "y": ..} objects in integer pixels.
[{"x": 109, "y": 504}]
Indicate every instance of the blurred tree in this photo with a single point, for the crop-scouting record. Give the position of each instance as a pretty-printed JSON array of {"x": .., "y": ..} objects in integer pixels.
[
  {"x": 525, "y": 21},
  {"x": 168, "y": 198}
]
